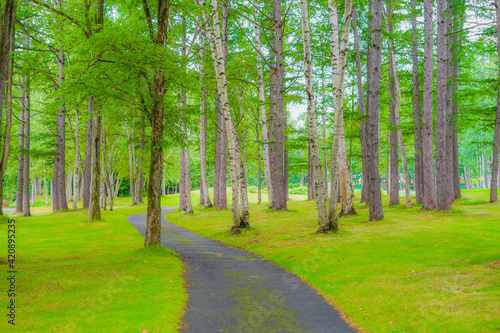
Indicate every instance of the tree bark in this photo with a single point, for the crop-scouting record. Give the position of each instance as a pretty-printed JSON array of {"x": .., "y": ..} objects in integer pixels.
[
  {"x": 263, "y": 116},
  {"x": 60, "y": 158},
  {"x": 131, "y": 159},
  {"x": 25, "y": 98},
  {"x": 442, "y": 179},
  {"x": 429, "y": 184},
  {"x": 457, "y": 25},
  {"x": 496, "y": 140},
  {"x": 310, "y": 175},
  {"x": 338, "y": 62},
  {"x": 362, "y": 122},
  {"x": 142, "y": 148},
  {"x": 279, "y": 190},
  {"x": 203, "y": 134},
  {"x": 319, "y": 187},
  {"x": 373, "y": 113},
  {"x": 7, "y": 65},
  {"x": 417, "y": 109},
  {"x": 95, "y": 186},
  {"x": 88, "y": 155},
  {"x": 235, "y": 160}
]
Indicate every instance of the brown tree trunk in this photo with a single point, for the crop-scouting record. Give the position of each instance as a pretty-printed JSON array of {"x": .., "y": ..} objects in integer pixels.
[
  {"x": 449, "y": 103},
  {"x": 417, "y": 110},
  {"x": 458, "y": 13},
  {"x": 429, "y": 184},
  {"x": 362, "y": 122},
  {"x": 373, "y": 113},
  {"x": 279, "y": 190},
  {"x": 95, "y": 186},
  {"x": 442, "y": 186},
  {"x": 88, "y": 155}
]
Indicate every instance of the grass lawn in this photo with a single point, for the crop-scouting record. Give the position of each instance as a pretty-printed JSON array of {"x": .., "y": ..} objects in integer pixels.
[
  {"x": 79, "y": 276},
  {"x": 412, "y": 272}
]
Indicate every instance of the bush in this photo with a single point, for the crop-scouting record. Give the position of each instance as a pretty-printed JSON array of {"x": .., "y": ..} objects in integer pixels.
[
  {"x": 298, "y": 190},
  {"x": 253, "y": 189}
]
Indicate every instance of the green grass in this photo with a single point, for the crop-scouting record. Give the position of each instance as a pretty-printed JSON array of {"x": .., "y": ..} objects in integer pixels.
[
  {"x": 76, "y": 276},
  {"x": 412, "y": 272}
]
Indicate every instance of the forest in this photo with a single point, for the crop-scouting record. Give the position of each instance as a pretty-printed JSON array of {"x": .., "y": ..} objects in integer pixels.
[{"x": 257, "y": 116}]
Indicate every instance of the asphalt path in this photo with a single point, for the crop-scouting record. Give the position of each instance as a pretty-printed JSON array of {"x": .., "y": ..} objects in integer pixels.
[{"x": 234, "y": 291}]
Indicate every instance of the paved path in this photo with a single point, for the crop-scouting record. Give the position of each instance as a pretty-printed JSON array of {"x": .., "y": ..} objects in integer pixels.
[{"x": 234, "y": 291}]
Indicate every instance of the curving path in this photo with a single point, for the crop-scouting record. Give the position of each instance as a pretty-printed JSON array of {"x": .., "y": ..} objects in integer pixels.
[{"x": 234, "y": 291}]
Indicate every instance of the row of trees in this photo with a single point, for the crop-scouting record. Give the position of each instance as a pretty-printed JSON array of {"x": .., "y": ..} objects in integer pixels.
[{"x": 197, "y": 92}]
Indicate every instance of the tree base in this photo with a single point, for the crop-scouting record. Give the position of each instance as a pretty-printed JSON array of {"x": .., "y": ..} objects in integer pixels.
[{"x": 324, "y": 229}]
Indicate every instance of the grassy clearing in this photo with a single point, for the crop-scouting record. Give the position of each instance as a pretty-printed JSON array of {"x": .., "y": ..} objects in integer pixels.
[
  {"x": 76, "y": 276},
  {"x": 413, "y": 271}
]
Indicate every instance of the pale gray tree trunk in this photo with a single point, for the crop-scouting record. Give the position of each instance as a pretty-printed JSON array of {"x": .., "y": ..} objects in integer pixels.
[
  {"x": 142, "y": 147},
  {"x": 88, "y": 155},
  {"x": 205, "y": 197},
  {"x": 20, "y": 161},
  {"x": 496, "y": 139},
  {"x": 131, "y": 159},
  {"x": 338, "y": 51},
  {"x": 25, "y": 98},
  {"x": 319, "y": 187},
  {"x": 233, "y": 141}
]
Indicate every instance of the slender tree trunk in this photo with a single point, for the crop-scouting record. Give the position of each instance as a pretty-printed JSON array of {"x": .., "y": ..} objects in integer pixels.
[
  {"x": 60, "y": 158},
  {"x": 319, "y": 187},
  {"x": 235, "y": 159},
  {"x": 263, "y": 117},
  {"x": 217, "y": 171},
  {"x": 373, "y": 112},
  {"x": 429, "y": 184},
  {"x": 95, "y": 186},
  {"x": 279, "y": 190},
  {"x": 310, "y": 175},
  {"x": 338, "y": 63},
  {"x": 20, "y": 164},
  {"x": 205, "y": 197},
  {"x": 417, "y": 109},
  {"x": 259, "y": 172},
  {"x": 362, "y": 122},
  {"x": 496, "y": 140},
  {"x": 26, "y": 106},
  {"x": 396, "y": 100},
  {"x": 46, "y": 190},
  {"x": 458, "y": 13},
  {"x": 142, "y": 148},
  {"x": 88, "y": 155},
  {"x": 131, "y": 159}
]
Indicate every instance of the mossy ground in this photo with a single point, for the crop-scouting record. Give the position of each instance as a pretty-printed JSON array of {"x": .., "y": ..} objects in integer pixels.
[
  {"x": 411, "y": 272},
  {"x": 79, "y": 276}
]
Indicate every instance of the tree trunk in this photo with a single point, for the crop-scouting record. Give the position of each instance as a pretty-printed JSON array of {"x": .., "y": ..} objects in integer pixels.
[
  {"x": 235, "y": 159},
  {"x": 458, "y": 13},
  {"x": 429, "y": 184},
  {"x": 442, "y": 186},
  {"x": 205, "y": 197},
  {"x": 60, "y": 158},
  {"x": 25, "y": 98},
  {"x": 338, "y": 63},
  {"x": 46, "y": 190},
  {"x": 417, "y": 110},
  {"x": 397, "y": 106},
  {"x": 20, "y": 162},
  {"x": 142, "y": 148},
  {"x": 373, "y": 113},
  {"x": 263, "y": 116},
  {"x": 362, "y": 122},
  {"x": 496, "y": 140},
  {"x": 310, "y": 175},
  {"x": 88, "y": 155},
  {"x": 279, "y": 190},
  {"x": 323, "y": 123},
  {"x": 259, "y": 161},
  {"x": 131, "y": 159},
  {"x": 319, "y": 187},
  {"x": 95, "y": 186}
]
